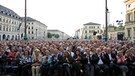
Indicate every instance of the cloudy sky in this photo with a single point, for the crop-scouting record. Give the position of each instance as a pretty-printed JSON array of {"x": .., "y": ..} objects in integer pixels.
[{"x": 68, "y": 15}]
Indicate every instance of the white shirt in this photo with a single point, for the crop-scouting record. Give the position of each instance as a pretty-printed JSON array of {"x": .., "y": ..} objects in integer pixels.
[{"x": 100, "y": 60}]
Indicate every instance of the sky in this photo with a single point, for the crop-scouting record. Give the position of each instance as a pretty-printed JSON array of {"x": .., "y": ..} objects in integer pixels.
[{"x": 68, "y": 15}]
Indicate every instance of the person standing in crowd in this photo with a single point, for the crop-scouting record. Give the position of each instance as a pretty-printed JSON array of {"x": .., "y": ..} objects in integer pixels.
[
  {"x": 25, "y": 64},
  {"x": 94, "y": 60},
  {"x": 113, "y": 63},
  {"x": 88, "y": 68},
  {"x": 77, "y": 65},
  {"x": 36, "y": 61},
  {"x": 12, "y": 53},
  {"x": 130, "y": 61},
  {"x": 46, "y": 62},
  {"x": 19, "y": 53},
  {"x": 67, "y": 63},
  {"x": 122, "y": 61}
]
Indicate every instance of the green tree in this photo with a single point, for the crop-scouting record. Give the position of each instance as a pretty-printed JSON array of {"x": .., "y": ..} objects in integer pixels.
[
  {"x": 49, "y": 35},
  {"x": 56, "y": 35}
]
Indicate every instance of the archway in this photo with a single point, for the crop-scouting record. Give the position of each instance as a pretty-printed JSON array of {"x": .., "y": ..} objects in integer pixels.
[
  {"x": 8, "y": 37},
  {"x": 12, "y": 37},
  {"x": 16, "y": 37},
  {"x": 4, "y": 37},
  {"x": 120, "y": 36}
]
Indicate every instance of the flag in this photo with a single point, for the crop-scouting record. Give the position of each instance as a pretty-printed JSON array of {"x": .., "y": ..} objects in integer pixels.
[
  {"x": 19, "y": 26},
  {"x": 26, "y": 26}
]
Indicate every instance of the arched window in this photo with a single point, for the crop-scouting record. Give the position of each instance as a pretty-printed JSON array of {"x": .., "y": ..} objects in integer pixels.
[
  {"x": 7, "y": 28},
  {"x": 4, "y": 37}
]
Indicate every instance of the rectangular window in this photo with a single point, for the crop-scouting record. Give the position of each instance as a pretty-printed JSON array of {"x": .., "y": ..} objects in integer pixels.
[
  {"x": 12, "y": 28},
  {"x": 0, "y": 27},
  {"x": 128, "y": 33},
  {"x": 0, "y": 19},
  {"x": 32, "y": 32},
  {"x": 7, "y": 28},
  {"x": 3, "y": 28},
  {"x": 3, "y": 20},
  {"x": 129, "y": 17},
  {"x": 86, "y": 31}
]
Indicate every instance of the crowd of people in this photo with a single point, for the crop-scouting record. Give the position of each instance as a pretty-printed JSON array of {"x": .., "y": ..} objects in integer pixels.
[{"x": 63, "y": 57}]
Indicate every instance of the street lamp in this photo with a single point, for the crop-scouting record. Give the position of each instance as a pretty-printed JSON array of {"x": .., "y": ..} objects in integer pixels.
[
  {"x": 25, "y": 27},
  {"x": 106, "y": 27}
]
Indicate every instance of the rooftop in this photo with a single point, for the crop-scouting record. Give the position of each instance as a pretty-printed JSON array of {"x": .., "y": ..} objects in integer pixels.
[
  {"x": 8, "y": 12},
  {"x": 92, "y": 23}
]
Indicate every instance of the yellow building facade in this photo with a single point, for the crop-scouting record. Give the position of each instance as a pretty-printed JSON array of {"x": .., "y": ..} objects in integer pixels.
[
  {"x": 89, "y": 28},
  {"x": 130, "y": 20}
]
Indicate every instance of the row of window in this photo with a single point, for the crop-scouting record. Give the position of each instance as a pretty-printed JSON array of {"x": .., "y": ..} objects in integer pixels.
[
  {"x": 9, "y": 21},
  {"x": 9, "y": 14},
  {"x": 31, "y": 27},
  {"x": 131, "y": 17},
  {"x": 31, "y": 32},
  {"x": 91, "y": 27},
  {"x": 10, "y": 28},
  {"x": 91, "y": 31}
]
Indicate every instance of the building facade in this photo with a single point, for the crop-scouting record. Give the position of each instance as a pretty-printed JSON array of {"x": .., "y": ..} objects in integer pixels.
[
  {"x": 9, "y": 25},
  {"x": 61, "y": 34},
  {"x": 89, "y": 28},
  {"x": 77, "y": 34},
  {"x": 36, "y": 29},
  {"x": 12, "y": 26},
  {"x": 116, "y": 33},
  {"x": 130, "y": 20}
]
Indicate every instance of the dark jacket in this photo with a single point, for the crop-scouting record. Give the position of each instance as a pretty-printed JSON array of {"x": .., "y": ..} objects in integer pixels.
[
  {"x": 105, "y": 58},
  {"x": 94, "y": 59}
]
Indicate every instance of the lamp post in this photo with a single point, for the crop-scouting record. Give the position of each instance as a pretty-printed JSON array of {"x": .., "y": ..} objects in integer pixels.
[
  {"x": 25, "y": 27},
  {"x": 106, "y": 27}
]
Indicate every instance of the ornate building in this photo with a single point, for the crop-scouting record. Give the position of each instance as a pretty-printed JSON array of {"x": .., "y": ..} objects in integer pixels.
[
  {"x": 9, "y": 24},
  {"x": 12, "y": 26},
  {"x": 130, "y": 20},
  {"x": 89, "y": 28}
]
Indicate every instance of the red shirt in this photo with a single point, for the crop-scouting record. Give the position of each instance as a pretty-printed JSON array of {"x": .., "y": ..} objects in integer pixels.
[{"x": 11, "y": 54}]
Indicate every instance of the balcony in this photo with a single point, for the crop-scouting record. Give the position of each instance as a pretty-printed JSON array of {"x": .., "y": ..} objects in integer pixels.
[{"x": 130, "y": 22}]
